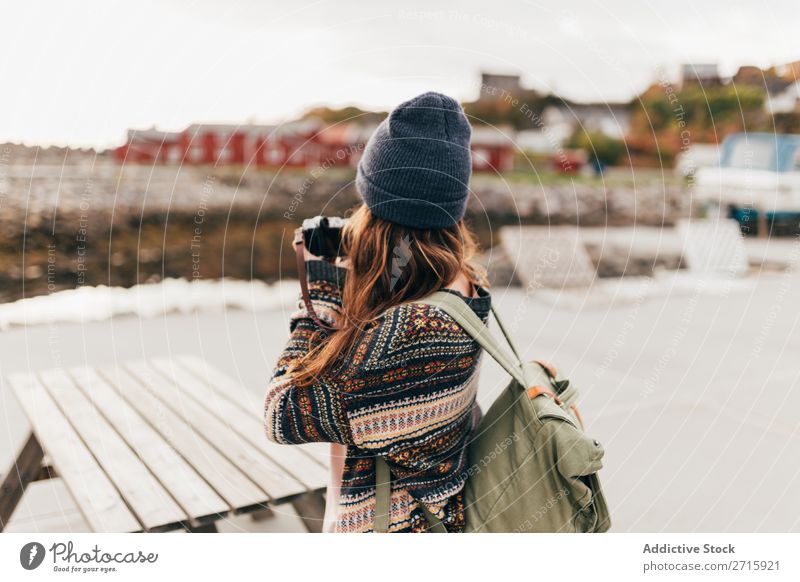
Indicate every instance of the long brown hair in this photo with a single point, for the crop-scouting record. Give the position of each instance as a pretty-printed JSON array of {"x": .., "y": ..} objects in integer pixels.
[{"x": 389, "y": 264}]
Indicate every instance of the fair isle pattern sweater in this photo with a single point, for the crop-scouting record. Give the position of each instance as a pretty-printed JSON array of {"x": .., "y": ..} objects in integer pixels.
[{"x": 406, "y": 391}]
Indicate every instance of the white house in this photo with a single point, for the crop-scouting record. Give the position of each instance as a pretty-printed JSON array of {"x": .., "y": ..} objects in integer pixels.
[{"x": 787, "y": 101}]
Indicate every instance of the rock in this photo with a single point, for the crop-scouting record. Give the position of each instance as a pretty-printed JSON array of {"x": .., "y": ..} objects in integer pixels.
[{"x": 499, "y": 269}]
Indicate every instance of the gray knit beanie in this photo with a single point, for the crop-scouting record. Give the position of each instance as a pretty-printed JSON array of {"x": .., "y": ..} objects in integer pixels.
[{"x": 416, "y": 167}]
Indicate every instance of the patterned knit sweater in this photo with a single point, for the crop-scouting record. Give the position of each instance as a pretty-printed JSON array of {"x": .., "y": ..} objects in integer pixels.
[{"x": 406, "y": 391}]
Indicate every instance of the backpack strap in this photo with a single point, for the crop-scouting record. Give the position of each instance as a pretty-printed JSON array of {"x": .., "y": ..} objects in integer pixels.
[
  {"x": 383, "y": 492},
  {"x": 462, "y": 313},
  {"x": 383, "y": 486}
]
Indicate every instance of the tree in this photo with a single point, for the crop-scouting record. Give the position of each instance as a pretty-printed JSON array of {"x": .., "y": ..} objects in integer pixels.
[
  {"x": 522, "y": 110},
  {"x": 351, "y": 113},
  {"x": 599, "y": 146},
  {"x": 664, "y": 120}
]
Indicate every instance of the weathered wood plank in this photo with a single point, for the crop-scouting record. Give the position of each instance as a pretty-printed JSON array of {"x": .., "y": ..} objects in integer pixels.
[
  {"x": 95, "y": 495},
  {"x": 247, "y": 424},
  {"x": 190, "y": 491},
  {"x": 223, "y": 384},
  {"x": 320, "y": 452},
  {"x": 145, "y": 495},
  {"x": 253, "y": 462},
  {"x": 236, "y": 488}
]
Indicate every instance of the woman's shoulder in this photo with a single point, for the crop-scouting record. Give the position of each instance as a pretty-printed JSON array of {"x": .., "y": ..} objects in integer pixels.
[
  {"x": 409, "y": 341},
  {"x": 416, "y": 317},
  {"x": 481, "y": 302}
]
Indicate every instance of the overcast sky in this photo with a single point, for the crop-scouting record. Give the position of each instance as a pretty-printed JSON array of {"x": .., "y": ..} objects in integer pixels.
[{"x": 82, "y": 72}]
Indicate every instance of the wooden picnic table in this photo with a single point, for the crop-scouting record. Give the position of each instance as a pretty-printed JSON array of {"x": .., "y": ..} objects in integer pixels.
[{"x": 157, "y": 445}]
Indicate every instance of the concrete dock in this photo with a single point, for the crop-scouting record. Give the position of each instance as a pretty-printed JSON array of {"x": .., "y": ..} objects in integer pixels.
[{"x": 694, "y": 393}]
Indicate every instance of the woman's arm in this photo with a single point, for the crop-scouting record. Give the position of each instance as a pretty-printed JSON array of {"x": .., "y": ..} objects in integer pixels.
[{"x": 294, "y": 414}]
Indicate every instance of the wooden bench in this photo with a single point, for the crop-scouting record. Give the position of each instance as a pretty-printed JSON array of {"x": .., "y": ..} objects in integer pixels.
[{"x": 158, "y": 445}]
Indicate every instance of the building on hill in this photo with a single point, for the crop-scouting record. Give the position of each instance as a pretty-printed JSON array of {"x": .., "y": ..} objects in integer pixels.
[
  {"x": 786, "y": 101},
  {"x": 768, "y": 80},
  {"x": 610, "y": 119},
  {"x": 494, "y": 87},
  {"x": 790, "y": 71},
  {"x": 704, "y": 75}
]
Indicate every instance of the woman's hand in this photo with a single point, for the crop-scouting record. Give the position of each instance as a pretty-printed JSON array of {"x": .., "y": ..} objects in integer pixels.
[
  {"x": 343, "y": 262},
  {"x": 308, "y": 256}
]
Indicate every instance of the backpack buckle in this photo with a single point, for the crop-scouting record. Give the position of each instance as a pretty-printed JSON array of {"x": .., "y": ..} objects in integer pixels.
[
  {"x": 549, "y": 368},
  {"x": 535, "y": 391}
]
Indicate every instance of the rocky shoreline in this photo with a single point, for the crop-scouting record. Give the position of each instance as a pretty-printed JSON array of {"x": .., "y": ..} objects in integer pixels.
[{"x": 97, "y": 223}]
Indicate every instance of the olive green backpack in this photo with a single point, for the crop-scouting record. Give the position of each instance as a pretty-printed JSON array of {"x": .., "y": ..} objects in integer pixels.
[{"x": 531, "y": 467}]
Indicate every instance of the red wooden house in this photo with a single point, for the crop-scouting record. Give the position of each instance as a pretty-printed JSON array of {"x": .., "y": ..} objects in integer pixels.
[
  {"x": 214, "y": 144},
  {"x": 150, "y": 145},
  {"x": 307, "y": 143},
  {"x": 345, "y": 142},
  {"x": 292, "y": 145},
  {"x": 492, "y": 150}
]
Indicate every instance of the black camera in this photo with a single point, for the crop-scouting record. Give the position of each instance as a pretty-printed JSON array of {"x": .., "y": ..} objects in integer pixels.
[{"x": 322, "y": 236}]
